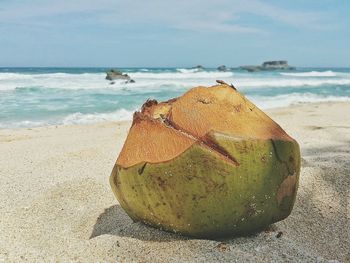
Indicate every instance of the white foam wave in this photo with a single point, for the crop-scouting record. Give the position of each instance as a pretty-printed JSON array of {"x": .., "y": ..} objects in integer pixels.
[
  {"x": 80, "y": 118},
  {"x": 144, "y": 80},
  {"x": 185, "y": 74},
  {"x": 285, "y": 100},
  {"x": 263, "y": 102},
  {"x": 10, "y": 81},
  {"x": 150, "y": 81},
  {"x": 75, "y": 118},
  {"x": 327, "y": 73},
  {"x": 186, "y": 70},
  {"x": 273, "y": 82},
  {"x": 23, "y": 124}
]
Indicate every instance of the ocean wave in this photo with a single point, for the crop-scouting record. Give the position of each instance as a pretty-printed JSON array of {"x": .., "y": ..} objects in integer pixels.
[
  {"x": 74, "y": 118},
  {"x": 80, "y": 118},
  {"x": 16, "y": 76},
  {"x": 41, "y": 99},
  {"x": 162, "y": 81},
  {"x": 263, "y": 102},
  {"x": 186, "y": 70},
  {"x": 190, "y": 74},
  {"x": 23, "y": 124},
  {"x": 144, "y": 80},
  {"x": 327, "y": 73},
  {"x": 10, "y": 81},
  {"x": 268, "y": 102},
  {"x": 274, "y": 82}
]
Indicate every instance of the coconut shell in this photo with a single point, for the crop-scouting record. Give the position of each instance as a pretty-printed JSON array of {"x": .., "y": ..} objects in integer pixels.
[{"x": 206, "y": 164}]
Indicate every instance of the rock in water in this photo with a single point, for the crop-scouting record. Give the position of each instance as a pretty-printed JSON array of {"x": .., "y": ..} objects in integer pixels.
[
  {"x": 115, "y": 74},
  {"x": 199, "y": 67},
  {"x": 269, "y": 65},
  {"x": 206, "y": 164},
  {"x": 222, "y": 68}
]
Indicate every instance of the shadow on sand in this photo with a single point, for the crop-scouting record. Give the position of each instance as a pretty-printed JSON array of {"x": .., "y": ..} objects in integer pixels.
[
  {"x": 115, "y": 221},
  {"x": 320, "y": 212}
]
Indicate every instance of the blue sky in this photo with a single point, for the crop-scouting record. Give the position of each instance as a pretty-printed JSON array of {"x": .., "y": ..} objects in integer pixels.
[{"x": 162, "y": 33}]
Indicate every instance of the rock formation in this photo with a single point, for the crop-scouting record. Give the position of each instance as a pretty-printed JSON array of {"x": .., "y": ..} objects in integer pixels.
[
  {"x": 269, "y": 65},
  {"x": 222, "y": 68},
  {"x": 118, "y": 75},
  {"x": 199, "y": 67}
]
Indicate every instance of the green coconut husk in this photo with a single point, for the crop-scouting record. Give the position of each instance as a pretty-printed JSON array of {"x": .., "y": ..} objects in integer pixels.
[{"x": 206, "y": 164}]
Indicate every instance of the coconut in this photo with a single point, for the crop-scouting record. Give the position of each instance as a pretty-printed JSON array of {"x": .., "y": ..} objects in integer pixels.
[{"x": 206, "y": 164}]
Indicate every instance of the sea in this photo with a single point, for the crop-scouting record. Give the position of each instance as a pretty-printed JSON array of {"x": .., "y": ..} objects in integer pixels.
[{"x": 32, "y": 97}]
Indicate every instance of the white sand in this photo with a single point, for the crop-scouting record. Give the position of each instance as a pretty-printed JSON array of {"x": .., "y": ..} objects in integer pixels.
[{"x": 57, "y": 205}]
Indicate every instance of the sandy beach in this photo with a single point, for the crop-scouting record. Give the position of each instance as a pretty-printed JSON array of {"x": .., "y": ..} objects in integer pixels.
[{"x": 57, "y": 205}]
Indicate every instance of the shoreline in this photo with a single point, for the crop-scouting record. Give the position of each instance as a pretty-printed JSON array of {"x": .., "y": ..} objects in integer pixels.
[
  {"x": 57, "y": 203},
  {"x": 123, "y": 122}
]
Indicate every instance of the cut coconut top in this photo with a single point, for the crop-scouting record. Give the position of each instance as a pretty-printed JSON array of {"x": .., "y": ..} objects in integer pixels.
[
  {"x": 151, "y": 141},
  {"x": 162, "y": 131}
]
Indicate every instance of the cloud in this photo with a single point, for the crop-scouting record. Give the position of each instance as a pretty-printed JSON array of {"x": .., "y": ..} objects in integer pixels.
[
  {"x": 199, "y": 16},
  {"x": 294, "y": 18}
]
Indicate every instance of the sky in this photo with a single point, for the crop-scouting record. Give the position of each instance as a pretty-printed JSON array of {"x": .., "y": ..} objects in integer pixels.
[{"x": 162, "y": 33}]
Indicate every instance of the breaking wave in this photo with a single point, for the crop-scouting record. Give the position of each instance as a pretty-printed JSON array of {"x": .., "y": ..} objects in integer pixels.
[
  {"x": 327, "y": 73},
  {"x": 80, "y": 118},
  {"x": 160, "y": 81},
  {"x": 54, "y": 98},
  {"x": 267, "y": 102}
]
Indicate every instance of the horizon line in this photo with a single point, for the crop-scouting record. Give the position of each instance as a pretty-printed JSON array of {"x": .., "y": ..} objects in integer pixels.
[{"x": 157, "y": 67}]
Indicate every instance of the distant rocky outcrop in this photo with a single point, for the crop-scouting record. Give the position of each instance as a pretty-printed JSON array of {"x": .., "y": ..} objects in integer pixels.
[
  {"x": 269, "y": 65},
  {"x": 222, "y": 68},
  {"x": 279, "y": 64},
  {"x": 118, "y": 75},
  {"x": 199, "y": 67},
  {"x": 250, "y": 68}
]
